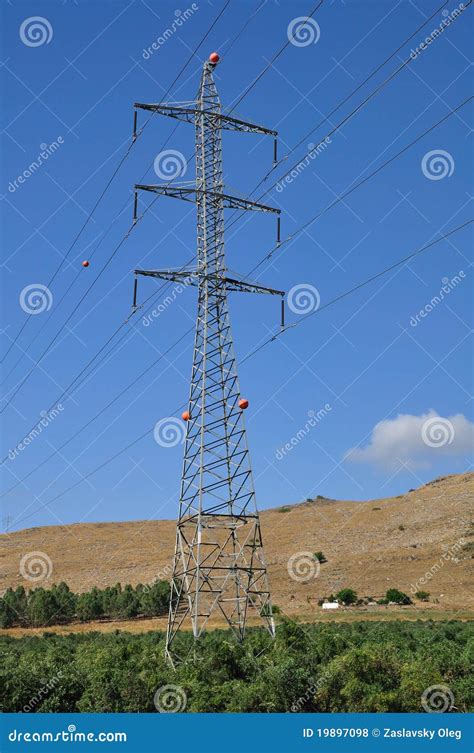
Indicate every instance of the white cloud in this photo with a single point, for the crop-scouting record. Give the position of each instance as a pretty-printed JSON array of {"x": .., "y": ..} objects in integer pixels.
[{"x": 416, "y": 441}]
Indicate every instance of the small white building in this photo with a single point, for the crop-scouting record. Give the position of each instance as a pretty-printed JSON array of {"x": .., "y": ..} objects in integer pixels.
[{"x": 330, "y": 605}]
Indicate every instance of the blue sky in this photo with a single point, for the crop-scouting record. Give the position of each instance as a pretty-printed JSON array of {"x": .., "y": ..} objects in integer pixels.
[{"x": 383, "y": 357}]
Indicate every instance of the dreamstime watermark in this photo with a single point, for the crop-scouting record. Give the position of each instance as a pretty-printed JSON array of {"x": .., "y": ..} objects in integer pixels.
[
  {"x": 169, "y": 431},
  {"x": 36, "y": 298},
  {"x": 448, "y": 556},
  {"x": 179, "y": 20},
  {"x": 437, "y": 699},
  {"x": 47, "y": 417},
  {"x": 314, "y": 417},
  {"x": 170, "y": 164},
  {"x": 303, "y": 567},
  {"x": 36, "y": 31},
  {"x": 313, "y": 688},
  {"x": 42, "y": 693},
  {"x": 64, "y": 736},
  {"x": 449, "y": 284},
  {"x": 437, "y": 432},
  {"x": 164, "y": 573},
  {"x": 36, "y": 566},
  {"x": 170, "y": 699},
  {"x": 168, "y": 300},
  {"x": 437, "y": 164},
  {"x": 314, "y": 151},
  {"x": 449, "y": 17},
  {"x": 303, "y": 31},
  {"x": 303, "y": 298},
  {"x": 46, "y": 151}
]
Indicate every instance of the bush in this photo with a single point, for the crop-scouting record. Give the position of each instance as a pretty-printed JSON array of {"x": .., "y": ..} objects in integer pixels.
[
  {"x": 398, "y": 597},
  {"x": 347, "y": 596},
  {"x": 331, "y": 667},
  {"x": 320, "y": 557},
  {"x": 422, "y": 595}
]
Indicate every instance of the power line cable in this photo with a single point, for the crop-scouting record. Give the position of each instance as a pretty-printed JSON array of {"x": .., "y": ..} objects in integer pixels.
[
  {"x": 115, "y": 172},
  {"x": 20, "y": 384},
  {"x": 353, "y": 188},
  {"x": 340, "y": 198},
  {"x": 357, "y": 287},
  {"x": 125, "y": 237},
  {"x": 346, "y": 118}
]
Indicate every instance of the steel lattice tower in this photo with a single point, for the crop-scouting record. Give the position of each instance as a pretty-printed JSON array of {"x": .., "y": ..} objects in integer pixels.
[{"x": 219, "y": 566}]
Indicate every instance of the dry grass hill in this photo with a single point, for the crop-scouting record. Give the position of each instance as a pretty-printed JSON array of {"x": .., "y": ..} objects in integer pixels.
[{"x": 369, "y": 546}]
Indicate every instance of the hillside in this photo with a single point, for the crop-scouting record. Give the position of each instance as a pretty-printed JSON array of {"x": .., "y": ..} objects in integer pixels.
[{"x": 370, "y": 546}]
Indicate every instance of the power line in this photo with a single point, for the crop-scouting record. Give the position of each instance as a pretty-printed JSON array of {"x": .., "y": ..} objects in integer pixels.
[
  {"x": 346, "y": 118},
  {"x": 97, "y": 415},
  {"x": 367, "y": 78},
  {"x": 275, "y": 57},
  {"x": 70, "y": 389},
  {"x": 359, "y": 286},
  {"x": 353, "y": 188},
  {"x": 91, "y": 213},
  {"x": 332, "y": 204},
  {"x": 338, "y": 298},
  {"x": 364, "y": 180},
  {"x": 258, "y": 78}
]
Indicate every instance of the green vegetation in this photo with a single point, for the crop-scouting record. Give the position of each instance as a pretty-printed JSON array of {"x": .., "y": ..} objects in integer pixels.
[
  {"x": 336, "y": 667},
  {"x": 422, "y": 595},
  {"x": 320, "y": 557},
  {"x": 397, "y": 597},
  {"x": 58, "y": 605},
  {"x": 347, "y": 596}
]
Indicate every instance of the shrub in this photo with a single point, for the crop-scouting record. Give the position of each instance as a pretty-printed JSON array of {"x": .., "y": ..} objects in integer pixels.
[
  {"x": 320, "y": 557},
  {"x": 347, "y": 596},
  {"x": 422, "y": 595},
  {"x": 398, "y": 597}
]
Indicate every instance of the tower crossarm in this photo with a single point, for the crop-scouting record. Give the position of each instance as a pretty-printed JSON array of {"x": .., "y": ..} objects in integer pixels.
[
  {"x": 194, "y": 194},
  {"x": 193, "y": 277},
  {"x": 250, "y": 287},
  {"x": 189, "y": 114}
]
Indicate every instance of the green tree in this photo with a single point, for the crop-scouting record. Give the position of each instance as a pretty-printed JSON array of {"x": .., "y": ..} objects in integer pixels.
[
  {"x": 65, "y": 603},
  {"x": 398, "y": 597},
  {"x": 89, "y": 605},
  {"x": 347, "y": 596},
  {"x": 42, "y": 607},
  {"x": 154, "y": 599}
]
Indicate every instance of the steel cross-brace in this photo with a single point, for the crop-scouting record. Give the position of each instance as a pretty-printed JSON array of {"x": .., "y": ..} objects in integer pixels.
[
  {"x": 193, "y": 277},
  {"x": 193, "y": 194},
  {"x": 188, "y": 115}
]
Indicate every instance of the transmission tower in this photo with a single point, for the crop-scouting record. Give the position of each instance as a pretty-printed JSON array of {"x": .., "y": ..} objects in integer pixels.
[{"x": 219, "y": 567}]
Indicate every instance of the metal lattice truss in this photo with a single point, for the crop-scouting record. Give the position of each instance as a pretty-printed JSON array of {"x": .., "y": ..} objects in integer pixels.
[{"x": 219, "y": 566}]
